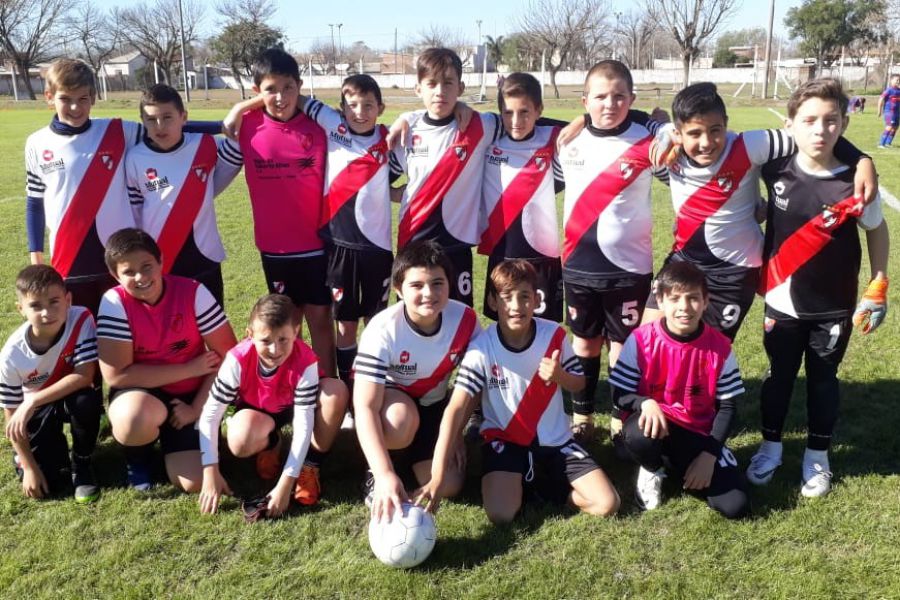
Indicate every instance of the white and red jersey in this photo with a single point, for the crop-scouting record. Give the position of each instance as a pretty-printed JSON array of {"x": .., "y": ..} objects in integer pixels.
[
  {"x": 241, "y": 377},
  {"x": 284, "y": 163},
  {"x": 519, "y": 196},
  {"x": 23, "y": 371},
  {"x": 356, "y": 210},
  {"x": 607, "y": 216},
  {"x": 171, "y": 194},
  {"x": 81, "y": 179},
  {"x": 715, "y": 221},
  {"x": 445, "y": 168},
  {"x": 167, "y": 333},
  {"x": 393, "y": 352},
  {"x": 518, "y": 406},
  {"x": 686, "y": 378},
  {"x": 812, "y": 251}
]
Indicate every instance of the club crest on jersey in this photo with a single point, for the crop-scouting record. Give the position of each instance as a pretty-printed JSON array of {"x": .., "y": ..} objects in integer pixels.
[
  {"x": 725, "y": 183},
  {"x": 829, "y": 218},
  {"x": 768, "y": 324},
  {"x": 108, "y": 161},
  {"x": 461, "y": 152},
  {"x": 306, "y": 141},
  {"x": 201, "y": 173},
  {"x": 279, "y": 287},
  {"x": 454, "y": 357},
  {"x": 541, "y": 163},
  {"x": 337, "y": 294},
  {"x": 177, "y": 322},
  {"x": 778, "y": 186},
  {"x": 498, "y": 446},
  {"x": 573, "y": 313},
  {"x": 378, "y": 155},
  {"x": 627, "y": 169}
]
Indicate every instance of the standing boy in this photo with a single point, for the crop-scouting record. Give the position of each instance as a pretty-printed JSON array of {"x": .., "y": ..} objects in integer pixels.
[
  {"x": 441, "y": 200},
  {"x": 678, "y": 379},
  {"x": 406, "y": 355},
  {"x": 812, "y": 260},
  {"x": 889, "y": 106},
  {"x": 47, "y": 371},
  {"x": 283, "y": 153},
  {"x": 172, "y": 178},
  {"x": 519, "y": 368},
  {"x": 607, "y": 255}
]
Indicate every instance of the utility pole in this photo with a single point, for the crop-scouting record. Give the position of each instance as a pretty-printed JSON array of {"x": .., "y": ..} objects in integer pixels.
[
  {"x": 340, "y": 44},
  {"x": 483, "y": 58},
  {"x": 333, "y": 55},
  {"x": 187, "y": 89},
  {"x": 395, "y": 51},
  {"x": 765, "y": 93}
]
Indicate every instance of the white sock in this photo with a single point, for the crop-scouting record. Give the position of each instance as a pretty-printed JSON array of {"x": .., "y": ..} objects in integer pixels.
[
  {"x": 811, "y": 457},
  {"x": 772, "y": 449}
]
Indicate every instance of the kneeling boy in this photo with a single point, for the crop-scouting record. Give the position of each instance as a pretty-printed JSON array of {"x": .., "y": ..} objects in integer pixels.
[
  {"x": 47, "y": 370},
  {"x": 160, "y": 339},
  {"x": 405, "y": 358},
  {"x": 272, "y": 379},
  {"x": 519, "y": 367},
  {"x": 678, "y": 378}
]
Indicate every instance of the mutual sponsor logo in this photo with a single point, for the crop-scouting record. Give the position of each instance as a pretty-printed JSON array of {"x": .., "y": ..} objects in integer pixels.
[
  {"x": 781, "y": 202},
  {"x": 404, "y": 357},
  {"x": 496, "y": 151},
  {"x": 151, "y": 174},
  {"x": 339, "y": 137},
  {"x": 49, "y": 165},
  {"x": 404, "y": 366},
  {"x": 47, "y": 155},
  {"x": 571, "y": 158},
  {"x": 418, "y": 148},
  {"x": 154, "y": 182},
  {"x": 342, "y": 129},
  {"x": 497, "y": 159},
  {"x": 35, "y": 378},
  {"x": 496, "y": 380}
]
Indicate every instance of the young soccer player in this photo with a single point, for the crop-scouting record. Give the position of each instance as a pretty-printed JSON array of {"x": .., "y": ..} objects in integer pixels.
[
  {"x": 47, "y": 369},
  {"x": 172, "y": 178},
  {"x": 607, "y": 255},
  {"x": 715, "y": 194},
  {"x": 283, "y": 152},
  {"x": 160, "y": 340},
  {"x": 812, "y": 260},
  {"x": 441, "y": 200},
  {"x": 76, "y": 182},
  {"x": 678, "y": 378},
  {"x": 519, "y": 368},
  {"x": 272, "y": 379},
  {"x": 522, "y": 176},
  {"x": 406, "y": 355},
  {"x": 889, "y": 106}
]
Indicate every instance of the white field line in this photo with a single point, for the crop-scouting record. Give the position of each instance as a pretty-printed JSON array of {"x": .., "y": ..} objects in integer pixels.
[{"x": 889, "y": 199}]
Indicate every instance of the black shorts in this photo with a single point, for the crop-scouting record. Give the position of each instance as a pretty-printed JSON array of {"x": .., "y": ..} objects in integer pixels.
[
  {"x": 461, "y": 278},
  {"x": 549, "y": 284},
  {"x": 300, "y": 278},
  {"x": 787, "y": 339},
  {"x": 170, "y": 439},
  {"x": 212, "y": 280},
  {"x": 360, "y": 281},
  {"x": 422, "y": 446},
  {"x": 281, "y": 418},
  {"x": 608, "y": 308},
  {"x": 88, "y": 290},
  {"x": 570, "y": 460},
  {"x": 731, "y": 294}
]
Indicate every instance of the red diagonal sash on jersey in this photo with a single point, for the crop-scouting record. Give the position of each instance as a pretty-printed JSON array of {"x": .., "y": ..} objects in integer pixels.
[
  {"x": 807, "y": 241},
  {"x": 85, "y": 203},
  {"x": 454, "y": 353},
  {"x": 517, "y": 194},
  {"x": 602, "y": 191},
  {"x": 354, "y": 176},
  {"x": 187, "y": 205},
  {"x": 445, "y": 173},
  {"x": 62, "y": 366},
  {"x": 703, "y": 203},
  {"x": 522, "y": 427}
]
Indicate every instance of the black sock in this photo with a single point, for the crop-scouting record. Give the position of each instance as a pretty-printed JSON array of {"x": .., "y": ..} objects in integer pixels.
[
  {"x": 314, "y": 457},
  {"x": 345, "y": 358},
  {"x": 583, "y": 401},
  {"x": 138, "y": 455}
]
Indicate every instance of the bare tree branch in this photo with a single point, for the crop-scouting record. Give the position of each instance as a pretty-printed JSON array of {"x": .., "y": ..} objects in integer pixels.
[
  {"x": 96, "y": 33},
  {"x": 28, "y": 33}
]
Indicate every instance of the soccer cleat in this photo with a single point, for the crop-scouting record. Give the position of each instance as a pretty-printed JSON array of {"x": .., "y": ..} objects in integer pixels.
[
  {"x": 816, "y": 481},
  {"x": 762, "y": 468},
  {"x": 86, "y": 488},
  {"x": 139, "y": 478},
  {"x": 17, "y": 465},
  {"x": 368, "y": 488},
  {"x": 268, "y": 461},
  {"x": 308, "y": 488},
  {"x": 648, "y": 492}
]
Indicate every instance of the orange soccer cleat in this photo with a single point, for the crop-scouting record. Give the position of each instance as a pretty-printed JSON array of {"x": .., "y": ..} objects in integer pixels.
[{"x": 308, "y": 488}]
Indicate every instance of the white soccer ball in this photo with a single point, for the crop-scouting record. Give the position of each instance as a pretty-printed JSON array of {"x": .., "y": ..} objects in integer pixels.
[{"x": 404, "y": 541}]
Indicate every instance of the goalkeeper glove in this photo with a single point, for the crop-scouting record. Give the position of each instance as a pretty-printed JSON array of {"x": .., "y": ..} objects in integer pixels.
[{"x": 872, "y": 306}]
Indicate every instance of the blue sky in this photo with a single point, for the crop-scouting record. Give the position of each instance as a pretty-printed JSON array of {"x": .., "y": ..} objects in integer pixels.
[{"x": 374, "y": 21}]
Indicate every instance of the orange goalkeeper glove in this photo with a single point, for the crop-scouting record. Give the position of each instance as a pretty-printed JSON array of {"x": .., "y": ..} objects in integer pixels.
[
  {"x": 664, "y": 150},
  {"x": 872, "y": 306}
]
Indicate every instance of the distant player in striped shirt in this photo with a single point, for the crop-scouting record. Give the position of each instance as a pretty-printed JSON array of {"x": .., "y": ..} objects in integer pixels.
[
  {"x": 518, "y": 369},
  {"x": 47, "y": 369}
]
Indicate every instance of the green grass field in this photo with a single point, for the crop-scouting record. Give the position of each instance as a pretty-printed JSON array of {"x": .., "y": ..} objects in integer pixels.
[{"x": 158, "y": 545}]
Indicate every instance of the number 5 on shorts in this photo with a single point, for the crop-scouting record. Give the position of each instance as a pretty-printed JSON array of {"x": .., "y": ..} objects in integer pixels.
[{"x": 630, "y": 314}]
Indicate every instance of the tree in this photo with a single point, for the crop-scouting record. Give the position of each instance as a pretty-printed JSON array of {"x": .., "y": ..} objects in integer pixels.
[
  {"x": 724, "y": 57},
  {"x": 824, "y": 26},
  {"x": 494, "y": 48},
  {"x": 28, "y": 33},
  {"x": 635, "y": 31},
  {"x": 245, "y": 35},
  {"x": 440, "y": 36},
  {"x": 154, "y": 31},
  {"x": 558, "y": 26},
  {"x": 691, "y": 22},
  {"x": 97, "y": 34}
]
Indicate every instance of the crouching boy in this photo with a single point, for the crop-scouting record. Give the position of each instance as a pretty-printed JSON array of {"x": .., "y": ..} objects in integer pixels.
[{"x": 518, "y": 369}]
